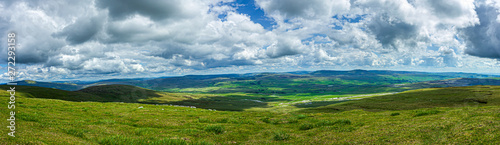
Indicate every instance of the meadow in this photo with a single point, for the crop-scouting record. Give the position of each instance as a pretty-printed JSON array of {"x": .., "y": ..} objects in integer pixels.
[{"x": 455, "y": 115}]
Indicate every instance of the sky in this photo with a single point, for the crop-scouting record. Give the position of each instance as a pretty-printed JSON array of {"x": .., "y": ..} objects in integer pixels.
[{"x": 61, "y": 40}]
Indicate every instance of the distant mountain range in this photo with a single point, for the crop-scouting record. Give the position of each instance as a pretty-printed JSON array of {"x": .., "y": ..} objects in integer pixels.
[{"x": 321, "y": 82}]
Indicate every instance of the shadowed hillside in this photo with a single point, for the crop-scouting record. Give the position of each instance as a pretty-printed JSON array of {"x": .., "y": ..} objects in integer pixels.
[
  {"x": 422, "y": 98},
  {"x": 49, "y": 93},
  {"x": 102, "y": 93},
  {"x": 121, "y": 93}
]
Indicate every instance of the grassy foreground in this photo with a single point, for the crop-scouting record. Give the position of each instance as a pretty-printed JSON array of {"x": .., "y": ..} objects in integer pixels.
[{"x": 471, "y": 115}]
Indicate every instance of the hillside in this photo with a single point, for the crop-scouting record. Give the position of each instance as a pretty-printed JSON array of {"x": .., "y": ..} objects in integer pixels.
[
  {"x": 101, "y": 93},
  {"x": 78, "y": 85},
  {"x": 457, "y": 82},
  {"x": 471, "y": 116},
  {"x": 68, "y": 86},
  {"x": 423, "y": 98},
  {"x": 315, "y": 82},
  {"x": 50, "y": 93},
  {"x": 121, "y": 93}
]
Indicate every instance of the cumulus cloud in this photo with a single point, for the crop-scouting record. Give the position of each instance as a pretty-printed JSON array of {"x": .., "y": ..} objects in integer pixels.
[
  {"x": 284, "y": 47},
  {"x": 82, "y": 30},
  {"x": 37, "y": 39},
  {"x": 391, "y": 32},
  {"x": 156, "y": 10},
  {"x": 92, "y": 38},
  {"x": 483, "y": 40},
  {"x": 289, "y": 9}
]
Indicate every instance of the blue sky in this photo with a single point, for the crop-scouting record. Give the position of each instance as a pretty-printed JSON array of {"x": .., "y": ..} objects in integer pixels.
[
  {"x": 256, "y": 14},
  {"x": 97, "y": 39}
]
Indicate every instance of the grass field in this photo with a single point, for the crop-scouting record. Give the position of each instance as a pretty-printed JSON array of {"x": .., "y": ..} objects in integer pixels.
[{"x": 462, "y": 115}]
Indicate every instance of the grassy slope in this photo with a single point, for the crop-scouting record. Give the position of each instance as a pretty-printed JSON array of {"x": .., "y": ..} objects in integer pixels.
[
  {"x": 47, "y": 121},
  {"x": 104, "y": 93},
  {"x": 62, "y": 86},
  {"x": 131, "y": 94},
  {"x": 423, "y": 98},
  {"x": 50, "y": 93},
  {"x": 126, "y": 93}
]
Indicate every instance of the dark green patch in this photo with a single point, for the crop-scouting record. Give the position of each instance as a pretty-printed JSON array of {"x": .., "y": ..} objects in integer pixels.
[
  {"x": 76, "y": 132},
  {"x": 426, "y": 112},
  {"x": 217, "y": 129},
  {"x": 395, "y": 114},
  {"x": 306, "y": 126},
  {"x": 280, "y": 135}
]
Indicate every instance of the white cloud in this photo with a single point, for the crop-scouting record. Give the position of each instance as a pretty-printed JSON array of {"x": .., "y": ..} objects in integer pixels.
[{"x": 59, "y": 40}]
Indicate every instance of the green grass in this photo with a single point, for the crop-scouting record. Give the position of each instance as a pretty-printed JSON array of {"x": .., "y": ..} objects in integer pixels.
[
  {"x": 462, "y": 115},
  {"x": 423, "y": 98},
  {"x": 104, "y": 93},
  {"x": 395, "y": 114},
  {"x": 123, "y": 140},
  {"x": 306, "y": 126},
  {"x": 217, "y": 129},
  {"x": 280, "y": 136},
  {"x": 426, "y": 112}
]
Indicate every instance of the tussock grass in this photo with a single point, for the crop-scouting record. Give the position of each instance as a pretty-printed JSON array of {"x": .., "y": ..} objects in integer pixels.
[
  {"x": 395, "y": 114},
  {"x": 217, "y": 129},
  {"x": 76, "y": 132},
  {"x": 425, "y": 112},
  {"x": 123, "y": 140},
  {"x": 301, "y": 116},
  {"x": 340, "y": 122},
  {"x": 280, "y": 135},
  {"x": 306, "y": 126}
]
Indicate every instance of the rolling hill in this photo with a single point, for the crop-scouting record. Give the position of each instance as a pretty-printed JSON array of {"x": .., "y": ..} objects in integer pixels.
[
  {"x": 101, "y": 93},
  {"x": 458, "y": 115},
  {"x": 422, "y": 98},
  {"x": 323, "y": 82},
  {"x": 50, "y": 93}
]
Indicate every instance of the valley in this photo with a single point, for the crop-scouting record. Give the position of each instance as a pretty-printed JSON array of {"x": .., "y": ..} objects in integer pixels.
[{"x": 322, "y": 107}]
